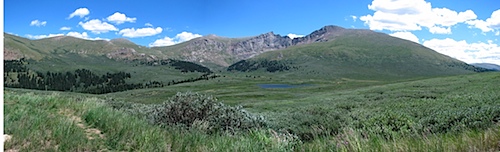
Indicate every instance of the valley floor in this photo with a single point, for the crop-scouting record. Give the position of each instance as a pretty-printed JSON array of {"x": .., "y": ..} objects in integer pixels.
[{"x": 457, "y": 113}]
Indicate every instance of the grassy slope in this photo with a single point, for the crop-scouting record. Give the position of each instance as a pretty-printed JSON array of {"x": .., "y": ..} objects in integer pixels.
[
  {"x": 366, "y": 55},
  {"x": 63, "y": 54},
  {"x": 472, "y": 96},
  {"x": 61, "y": 45},
  {"x": 102, "y": 65},
  {"x": 22, "y": 46}
]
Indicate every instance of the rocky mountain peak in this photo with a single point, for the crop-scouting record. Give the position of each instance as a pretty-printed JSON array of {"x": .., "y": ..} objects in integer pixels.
[
  {"x": 331, "y": 28},
  {"x": 222, "y": 51},
  {"x": 324, "y": 34}
]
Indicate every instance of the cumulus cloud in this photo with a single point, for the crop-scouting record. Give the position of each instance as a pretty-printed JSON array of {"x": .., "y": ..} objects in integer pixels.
[
  {"x": 411, "y": 15},
  {"x": 81, "y": 12},
  {"x": 292, "y": 36},
  {"x": 97, "y": 26},
  {"x": 119, "y": 18},
  {"x": 42, "y": 36},
  {"x": 38, "y": 23},
  {"x": 84, "y": 35},
  {"x": 179, "y": 38},
  {"x": 148, "y": 24},
  {"x": 64, "y": 28},
  {"x": 406, "y": 35},
  {"x": 142, "y": 32},
  {"x": 488, "y": 25},
  {"x": 478, "y": 52},
  {"x": 166, "y": 41}
]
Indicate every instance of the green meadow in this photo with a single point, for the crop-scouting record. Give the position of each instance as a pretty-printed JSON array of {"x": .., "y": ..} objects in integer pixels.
[{"x": 449, "y": 113}]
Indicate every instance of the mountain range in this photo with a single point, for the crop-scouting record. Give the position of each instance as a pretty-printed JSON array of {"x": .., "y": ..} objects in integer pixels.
[{"x": 330, "y": 50}]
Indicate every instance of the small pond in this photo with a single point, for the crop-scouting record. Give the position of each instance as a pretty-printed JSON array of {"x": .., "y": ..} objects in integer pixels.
[{"x": 281, "y": 86}]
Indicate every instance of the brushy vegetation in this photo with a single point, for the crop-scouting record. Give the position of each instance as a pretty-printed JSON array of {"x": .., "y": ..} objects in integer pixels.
[{"x": 195, "y": 111}]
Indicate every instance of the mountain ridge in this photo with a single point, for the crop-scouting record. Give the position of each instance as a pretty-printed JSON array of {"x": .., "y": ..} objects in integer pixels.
[
  {"x": 232, "y": 50},
  {"x": 357, "y": 54},
  {"x": 211, "y": 50}
]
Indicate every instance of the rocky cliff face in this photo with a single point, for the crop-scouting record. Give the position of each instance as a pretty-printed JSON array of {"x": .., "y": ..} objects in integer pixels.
[
  {"x": 207, "y": 49},
  {"x": 225, "y": 51},
  {"x": 259, "y": 44}
]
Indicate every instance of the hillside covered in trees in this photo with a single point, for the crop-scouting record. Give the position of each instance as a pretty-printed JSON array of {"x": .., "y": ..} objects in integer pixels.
[{"x": 17, "y": 75}]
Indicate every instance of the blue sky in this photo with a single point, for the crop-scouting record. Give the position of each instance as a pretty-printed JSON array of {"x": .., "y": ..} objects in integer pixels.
[{"x": 467, "y": 30}]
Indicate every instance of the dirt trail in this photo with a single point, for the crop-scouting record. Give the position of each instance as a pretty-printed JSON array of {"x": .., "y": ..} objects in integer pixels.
[{"x": 92, "y": 133}]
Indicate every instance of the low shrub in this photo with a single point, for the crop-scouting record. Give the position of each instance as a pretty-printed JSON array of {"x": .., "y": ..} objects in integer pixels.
[{"x": 193, "y": 110}]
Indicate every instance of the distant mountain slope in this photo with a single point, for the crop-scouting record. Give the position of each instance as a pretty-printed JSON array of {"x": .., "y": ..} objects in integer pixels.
[
  {"x": 17, "y": 47},
  {"x": 489, "y": 66},
  {"x": 213, "y": 50},
  {"x": 360, "y": 54}
]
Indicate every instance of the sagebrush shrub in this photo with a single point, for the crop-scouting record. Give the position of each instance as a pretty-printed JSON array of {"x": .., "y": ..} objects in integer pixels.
[{"x": 202, "y": 111}]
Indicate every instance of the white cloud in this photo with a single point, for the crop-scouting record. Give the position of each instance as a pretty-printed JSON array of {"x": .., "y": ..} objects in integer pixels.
[
  {"x": 167, "y": 41},
  {"x": 179, "y": 38},
  {"x": 411, "y": 15},
  {"x": 96, "y": 26},
  {"x": 64, "y": 28},
  {"x": 489, "y": 24},
  {"x": 148, "y": 24},
  {"x": 479, "y": 52},
  {"x": 42, "y": 36},
  {"x": 292, "y": 36},
  {"x": 142, "y": 32},
  {"x": 354, "y": 18},
  {"x": 81, "y": 12},
  {"x": 440, "y": 30},
  {"x": 38, "y": 23},
  {"x": 119, "y": 18},
  {"x": 84, "y": 35},
  {"x": 186, "y": 36},
  {"x": 406, "y": 35},
  {"x": 12, "y": 33}
]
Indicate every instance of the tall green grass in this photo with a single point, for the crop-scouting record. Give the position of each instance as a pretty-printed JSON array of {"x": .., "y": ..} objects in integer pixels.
[{"x": 36, "y": 123}]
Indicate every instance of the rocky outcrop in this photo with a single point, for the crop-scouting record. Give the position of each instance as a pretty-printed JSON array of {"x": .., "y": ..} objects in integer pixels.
[
  {"x": 209, "y": 49},
  {"x": 129, "y": 54},
  {"x": 11, "y": 55},
  {"x": 259, "y": 44}
]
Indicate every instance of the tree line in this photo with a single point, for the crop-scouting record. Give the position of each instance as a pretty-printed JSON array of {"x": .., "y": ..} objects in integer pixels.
[
  {"x": 16, "y": 75},
  {"x": 183, "y": 66},
  {"x": 269, "y": 66}
]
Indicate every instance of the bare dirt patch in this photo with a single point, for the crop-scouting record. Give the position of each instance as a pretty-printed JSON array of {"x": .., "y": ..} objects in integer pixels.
[{"x": 92, "y": 133}]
